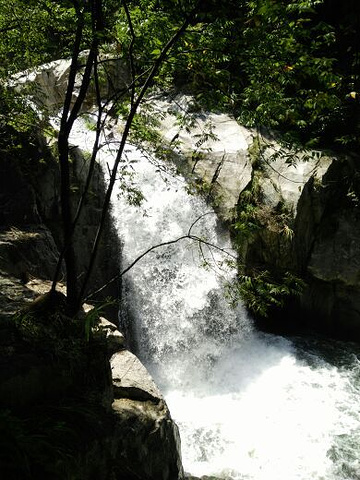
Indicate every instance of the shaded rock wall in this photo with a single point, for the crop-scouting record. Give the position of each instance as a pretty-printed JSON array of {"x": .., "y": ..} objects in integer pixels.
[
  {"x": 329, "y": 253},
  {"x": 30, "y": 229},
  {"x": 132, "y": 438}
]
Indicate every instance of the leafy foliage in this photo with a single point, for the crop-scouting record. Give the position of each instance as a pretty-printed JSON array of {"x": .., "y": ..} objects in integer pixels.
[
  {"x": 291, "y": 79},
  {"x": 46, "y": 328},
  {"x": 275, "y": 64},
  {"x": 33, "y": 32},
  {"x": 286, "y": 65},
  {"x": 290, "y": 66},
  {"x": 261, "y": 292},
  {"x": 247, "y": 222},
  {"x": 56, "y": 337}
]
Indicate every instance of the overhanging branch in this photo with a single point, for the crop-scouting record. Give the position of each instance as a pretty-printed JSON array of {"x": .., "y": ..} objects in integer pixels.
[
  {"x": 188, "y": 236},
  {"x": 137, "y": 101}
]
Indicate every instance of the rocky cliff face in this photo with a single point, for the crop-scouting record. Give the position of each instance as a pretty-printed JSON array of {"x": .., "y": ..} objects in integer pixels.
[
  {"x": 49, "y": 374},
  {"x": 294, "y": 211},
  {"x": 31, "y": 221},
  {"x": 327, "y": 242}
]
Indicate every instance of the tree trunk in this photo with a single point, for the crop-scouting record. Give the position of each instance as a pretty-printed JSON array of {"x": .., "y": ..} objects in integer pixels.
[{"x": 68, "y": 246}]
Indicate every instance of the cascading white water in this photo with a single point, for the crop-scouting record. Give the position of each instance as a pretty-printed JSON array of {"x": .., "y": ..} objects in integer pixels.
[{"x": 249, "y": 405}]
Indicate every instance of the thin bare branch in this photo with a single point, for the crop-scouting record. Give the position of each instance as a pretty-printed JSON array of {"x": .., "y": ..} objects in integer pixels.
[
  {"x": 157, "y": 64},
  {"x": 188, "y": 236},
  {"x": 197, "y": 220}
]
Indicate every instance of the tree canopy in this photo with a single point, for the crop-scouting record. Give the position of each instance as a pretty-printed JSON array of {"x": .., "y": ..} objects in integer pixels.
[{"x": 292, "y": 67}]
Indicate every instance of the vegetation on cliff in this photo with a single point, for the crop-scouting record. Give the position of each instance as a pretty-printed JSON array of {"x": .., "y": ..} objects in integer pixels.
[{"x": 291, "y": 66}]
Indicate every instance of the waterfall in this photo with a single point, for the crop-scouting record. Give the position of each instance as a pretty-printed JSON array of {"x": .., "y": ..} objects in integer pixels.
[{"x": 248, "y": 405}]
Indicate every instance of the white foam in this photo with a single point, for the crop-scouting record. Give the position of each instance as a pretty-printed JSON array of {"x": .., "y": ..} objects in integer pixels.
[{"x": 248, "y": 405}]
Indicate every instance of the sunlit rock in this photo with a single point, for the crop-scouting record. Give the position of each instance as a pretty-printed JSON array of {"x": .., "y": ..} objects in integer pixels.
[
  {"x": 147, "y": 440},
  {"x": 131, "y": 379},
  {"x": 283, "y": 173},
  {"x": 47, "y": 84},
  {"x": 211, "y": 146},
  {"x": 115, "y": 340}
]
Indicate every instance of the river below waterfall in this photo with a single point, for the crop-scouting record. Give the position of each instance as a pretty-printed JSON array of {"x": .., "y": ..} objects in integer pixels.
[{"x": 249, "y": 405}]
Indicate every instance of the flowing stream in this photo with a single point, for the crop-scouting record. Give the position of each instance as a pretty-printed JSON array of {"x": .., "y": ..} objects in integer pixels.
[{"x": 249, "y": 405}]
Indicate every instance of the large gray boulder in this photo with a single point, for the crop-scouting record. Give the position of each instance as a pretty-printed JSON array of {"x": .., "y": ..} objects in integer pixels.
[
  {"x": 47, "y": 83},
  {"x": 147, "y": 439},
  {"x": 211, "y": 147},
  {"x": 308, "y": 225}
]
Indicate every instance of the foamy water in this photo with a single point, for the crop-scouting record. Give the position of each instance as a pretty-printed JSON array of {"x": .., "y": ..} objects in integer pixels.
[{"x": 248, "y": 405}]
